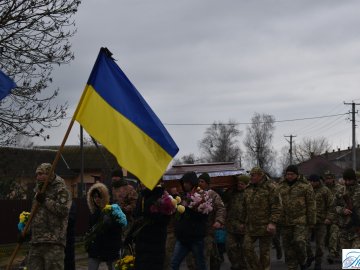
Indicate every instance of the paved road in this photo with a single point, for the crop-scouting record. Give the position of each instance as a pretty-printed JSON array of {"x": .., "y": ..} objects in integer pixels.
[{"x": 275, "y": 264}]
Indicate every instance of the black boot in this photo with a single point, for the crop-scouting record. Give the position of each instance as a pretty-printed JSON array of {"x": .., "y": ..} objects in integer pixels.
[{"x": 309, "y": 261}]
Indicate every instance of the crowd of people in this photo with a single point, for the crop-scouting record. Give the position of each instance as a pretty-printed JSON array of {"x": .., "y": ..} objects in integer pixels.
[{"x": 194, "y": 224}]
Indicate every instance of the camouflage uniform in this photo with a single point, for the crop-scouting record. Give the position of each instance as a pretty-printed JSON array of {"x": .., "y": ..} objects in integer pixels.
[
  {"x": 349, "y": 224},
  {"x": 262, "y": 206},
  {"x": 299, "y": 213},
  {"x": 126, "y": 197},
  {"x": 332, "y": 237},
  {"x": 48, "y": 227},
  {"x": 234, "y": 237},
  {"x": 324, "y": 211}
]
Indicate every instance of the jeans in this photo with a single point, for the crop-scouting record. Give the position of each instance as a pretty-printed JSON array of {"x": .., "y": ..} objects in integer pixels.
[{"x": 181, "y": 250}]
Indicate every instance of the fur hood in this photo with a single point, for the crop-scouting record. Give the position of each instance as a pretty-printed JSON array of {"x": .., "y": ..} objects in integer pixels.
[{"x": 105, "y": 197}]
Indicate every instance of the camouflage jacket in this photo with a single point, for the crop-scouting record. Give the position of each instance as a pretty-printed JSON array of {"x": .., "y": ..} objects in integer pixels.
[
  {"x": 336, "y": 189},
  {"x": 234, "y": 209},
  {"x": 126, "y": 197},
  {"x": 262, "y": 205},
  {"x": 219, "y": 211},
  {"x": 324, "y": 204},
  {"x": 299, "y": 203},
  {"x": 349, "y": 200},
  {"x": 49, "y": 224}
]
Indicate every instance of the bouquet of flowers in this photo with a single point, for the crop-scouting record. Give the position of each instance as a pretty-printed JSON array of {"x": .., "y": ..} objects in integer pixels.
[
  {"x": 23, "y": 218},
  {"x": 126, "y": 263},
  {"x": 115, "y": 212},
  {"x": 166, "y": 205},
  {"x": 199, "y": 201}
]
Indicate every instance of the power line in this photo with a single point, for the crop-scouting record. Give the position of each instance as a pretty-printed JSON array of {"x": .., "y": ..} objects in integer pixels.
[{"x": 249, "y": 123}]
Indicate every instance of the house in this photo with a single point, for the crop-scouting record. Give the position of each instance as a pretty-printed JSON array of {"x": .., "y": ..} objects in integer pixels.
[
  {"x": 335, "y": 161},
  {"x": 221, "y": 173},
  {"x": 19, "y": 165}
]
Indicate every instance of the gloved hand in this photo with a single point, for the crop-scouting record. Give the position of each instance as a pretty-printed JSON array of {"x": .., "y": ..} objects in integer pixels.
[
  {"x": 40, "y": 197},
  {"x": 107, "y": 220}
]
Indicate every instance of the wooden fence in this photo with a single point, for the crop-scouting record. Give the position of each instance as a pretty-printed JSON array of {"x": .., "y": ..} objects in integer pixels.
[{"x": 11, "y": 209}]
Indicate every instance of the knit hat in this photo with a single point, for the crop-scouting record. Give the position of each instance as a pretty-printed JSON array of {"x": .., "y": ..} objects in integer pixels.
[
  {"x": 256, "y": 170},
  {"x": 314, "y": 178},
  {"x": 349, "y": 174},
  {"x": 190, "y": 177},
  {"x": 243, "y": 178},
  {"x": 117, "y": 173},
  {"x": 206, "y": 177},
  {"x": 292, "y": 168}
]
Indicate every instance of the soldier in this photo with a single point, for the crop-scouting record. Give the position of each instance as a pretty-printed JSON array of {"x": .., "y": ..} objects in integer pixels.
[
  {"x": 299, "y": 214},
  {"x": 235, "y": 237},
  {"x": 216, "y": 220},
  {"x": 262, "y": 210},
  {"x": 348, "y": 209},
  {"x": 332, "y": 237},
  {"x": 324, "y": 216},
  {"x": 124, "y": 195},
  {"x": 49, "y": 224}
]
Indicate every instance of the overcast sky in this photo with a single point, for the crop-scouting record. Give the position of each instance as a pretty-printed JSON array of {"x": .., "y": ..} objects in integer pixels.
[{"x": 196, "y": 62}]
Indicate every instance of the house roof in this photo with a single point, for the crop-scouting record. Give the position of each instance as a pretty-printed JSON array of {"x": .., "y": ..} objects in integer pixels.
[
  {"x": 318, "y": 165},
  {"x": 23, "y": 162},
  {"x": 213, "y": 169},
  {"x": 95, "y": 158}
]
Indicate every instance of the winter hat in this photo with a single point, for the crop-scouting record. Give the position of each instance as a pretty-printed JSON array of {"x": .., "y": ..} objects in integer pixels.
[
  {"x": 349, "y": 174},
  {"x": 314, "y": 178},
  {"x": 292, "y": 168},
  {"x": 190, "y": 177},
  {"x": 256, "y": 170},
  {"x": 242, "y": 178},
  {"x": 117, "y": 173},
  {"x": 206, "y": 177},
  {"x": 45, "y": 168}
]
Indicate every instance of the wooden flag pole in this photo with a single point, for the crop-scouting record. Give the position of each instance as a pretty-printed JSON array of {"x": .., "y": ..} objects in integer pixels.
[{"x": 36, "y": 204}]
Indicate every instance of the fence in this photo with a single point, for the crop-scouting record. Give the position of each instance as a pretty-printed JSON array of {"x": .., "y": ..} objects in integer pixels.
[{"x": 11, "y": 209}]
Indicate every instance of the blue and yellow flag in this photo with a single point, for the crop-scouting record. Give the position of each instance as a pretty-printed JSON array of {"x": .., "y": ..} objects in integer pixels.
[
  {"x": 6, "y": 84},
  {"x": 113, "y": 112}
]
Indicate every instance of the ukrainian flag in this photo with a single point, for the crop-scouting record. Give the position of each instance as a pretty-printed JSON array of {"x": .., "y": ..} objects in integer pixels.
[
  {"x": 113, "y": 112},
  {"x": 6, "y": 84}
]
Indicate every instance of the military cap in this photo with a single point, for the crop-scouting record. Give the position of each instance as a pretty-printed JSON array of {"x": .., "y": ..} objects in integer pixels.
[
  {"x": 45, "y": 168},
  {"x": 293, "y": 169},
  {"x": 256, "y": 170}
]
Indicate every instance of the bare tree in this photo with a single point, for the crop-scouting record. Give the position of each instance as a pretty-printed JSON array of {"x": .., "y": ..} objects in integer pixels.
[
  {"x": 258, "y": 141},
  {"x": 186, "y": 159},
  {"x": 220, "y": 143},
  {"x": 34, "y": 37},
  {"x": 309, "y": 147}
]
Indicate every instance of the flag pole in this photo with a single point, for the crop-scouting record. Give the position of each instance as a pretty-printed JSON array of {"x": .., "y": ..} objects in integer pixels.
[{"x": 36, "y": 204}]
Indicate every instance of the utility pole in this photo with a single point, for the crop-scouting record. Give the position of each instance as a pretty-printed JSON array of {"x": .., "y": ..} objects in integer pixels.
[
  {"x": 353, "y": 104},
  {"x": 290, "y": 150}
]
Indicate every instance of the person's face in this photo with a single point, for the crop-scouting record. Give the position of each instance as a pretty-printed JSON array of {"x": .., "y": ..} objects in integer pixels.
[
  {"x": 241, "y": 185},
  {"x": 41, "y": 177},
  {"x": 97, "y": 199},
  {"x": 329, "y": 180},
  {"x": 349, "y": 182},
  {"x": 315, "y": 184},
  {"x": 290, "y": 176},
  {"x": 187, "y": 186},
  {"x": 256, "y": 177},
  {"x": 203, "y": 185},
  {"x": 115, "y": 178}
]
